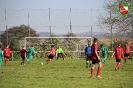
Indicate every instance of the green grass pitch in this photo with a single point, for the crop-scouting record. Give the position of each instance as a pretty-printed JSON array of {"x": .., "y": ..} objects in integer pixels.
[{"x": 70, "y": 73}]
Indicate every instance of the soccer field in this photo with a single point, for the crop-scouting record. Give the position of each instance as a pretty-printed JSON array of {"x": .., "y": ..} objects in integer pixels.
[{"x": 70, "y": 73}]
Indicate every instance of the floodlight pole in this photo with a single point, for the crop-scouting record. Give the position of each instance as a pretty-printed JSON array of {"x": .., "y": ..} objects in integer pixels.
[
  {"x": 6, "y": 28},
  {"x": 91, "y": 22},
  {"x": 28, "y": 23},
  {"x": 111, "y": 30},
  {"x": 49, "y": 23},
  {"x": 70, "y": 22}
]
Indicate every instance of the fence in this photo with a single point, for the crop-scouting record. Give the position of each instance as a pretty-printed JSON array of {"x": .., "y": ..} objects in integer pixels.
[{"x": 83, "y": 21}]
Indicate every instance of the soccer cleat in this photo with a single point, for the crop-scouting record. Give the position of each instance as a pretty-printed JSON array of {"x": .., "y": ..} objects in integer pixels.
[
  {"x": 116, "y": 69},
  {"x": 86, "y": 65},
  {"x": 99, "y": 76},
  {"x": 91, "y": 76}
]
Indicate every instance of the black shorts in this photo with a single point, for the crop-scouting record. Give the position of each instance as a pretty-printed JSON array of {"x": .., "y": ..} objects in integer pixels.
[
  {"x": 94, "y": 61},
  {"x": 88, "y": 57},
  {"x": 126, "y": 54},
  {"x": 51, "y": 56},
  {"x": 7, "y": 57},
  {"x": 118, "y": 60},
  {"x": 23, "y": 58}
]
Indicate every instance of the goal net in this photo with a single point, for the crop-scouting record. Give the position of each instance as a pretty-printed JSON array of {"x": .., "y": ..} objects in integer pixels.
[{"x": 73, "y": 47}]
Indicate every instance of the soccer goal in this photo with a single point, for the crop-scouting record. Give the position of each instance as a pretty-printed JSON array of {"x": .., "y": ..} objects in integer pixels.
[{"x": 72, "y": 46}]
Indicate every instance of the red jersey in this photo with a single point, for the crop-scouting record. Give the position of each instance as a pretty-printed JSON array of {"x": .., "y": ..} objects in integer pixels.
[
  {"x": 53, "y": 51},
  {"x": 118, "y": 52},
  {"x": 94, "y": 47},
  {"x": 127, "y": 49},
  {"x": 22, "y": 52},
  {"x": 6, "y": 52}
]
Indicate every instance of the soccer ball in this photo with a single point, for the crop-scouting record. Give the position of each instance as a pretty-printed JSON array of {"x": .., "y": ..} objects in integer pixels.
[{"x": 41, "y": 63}]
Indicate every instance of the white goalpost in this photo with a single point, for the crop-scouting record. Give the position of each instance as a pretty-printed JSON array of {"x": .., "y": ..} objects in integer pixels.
[{"x": 73, "y": 46}]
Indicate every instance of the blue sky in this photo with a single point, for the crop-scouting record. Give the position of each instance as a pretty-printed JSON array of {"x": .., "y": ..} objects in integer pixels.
[{"x": 81, "y": 20}]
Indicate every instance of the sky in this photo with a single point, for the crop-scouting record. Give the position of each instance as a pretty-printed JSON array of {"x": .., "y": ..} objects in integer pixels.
[{"x": 84, "y": 13}]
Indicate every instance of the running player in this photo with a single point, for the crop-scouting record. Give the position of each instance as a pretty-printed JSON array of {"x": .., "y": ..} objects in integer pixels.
[
  {"x": 95, "y": 59},
  {"x": 6, "y": 52},
  {"x": 127, "y": 52},
  {"x": 104, "y": 51},
  {"x": 30, "y": 52},
  {"x": 59, "y": 52},
  {"x": 88, "y": 55},
  {"x": 23, "y": 55},
  {"x": 52, "y": 54},
  {"x": 118, "y": 52},
  {"x": 1, "y": 57}
]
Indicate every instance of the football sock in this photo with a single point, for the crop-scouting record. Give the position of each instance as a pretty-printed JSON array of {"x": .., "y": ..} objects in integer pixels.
[
  {"x": 118, "y": 66},
  {"x": 48, "y": 61},
  {"x": 92, "y": 72},
  {"x": 99, "y": 70},
  {"x": 26, "y": 61},
  {"x": 125, "y": 60},
  {"x": 130, "y": 58},
  {"x": 5, "y": 62}
]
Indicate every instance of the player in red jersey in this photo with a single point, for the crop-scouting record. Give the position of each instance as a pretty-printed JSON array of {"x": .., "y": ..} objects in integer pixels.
[
  {"x": 95, "y": 59},
  {"x": 118, "y": 53},
  {"x": 23, "y": 55},
  {"x": 127, "y": 52},
  {"x": 6, "y": 52},
  {"x": 52, "y": 54}
]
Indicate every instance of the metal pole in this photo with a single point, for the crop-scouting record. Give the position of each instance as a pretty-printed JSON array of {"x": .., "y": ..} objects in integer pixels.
[
  {"x": 91, "y": 22},
  {"x": 70, "y": 22},
  {"x": 6, "y": 28},
  {"x": 49, "y": 23},
  {"x": 111, "y": 31},
  {"x": 28, "y": 23}
]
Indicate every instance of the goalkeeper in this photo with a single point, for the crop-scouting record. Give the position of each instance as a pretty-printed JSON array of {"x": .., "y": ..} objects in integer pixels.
[
  {"x": 104, "y": 51},
  {"x": 59, "y": 53}
]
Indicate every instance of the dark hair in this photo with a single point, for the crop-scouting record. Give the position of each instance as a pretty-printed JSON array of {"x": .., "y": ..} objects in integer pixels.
[
  {"x": 89, "y": 44},
  {"x": 126, "y": 43},
  {"x": 101, "y": 45},
  {"x": 119, "y": 44},
  {"x": 52, "y": 45},
  {"x": 95, "y": 39}
]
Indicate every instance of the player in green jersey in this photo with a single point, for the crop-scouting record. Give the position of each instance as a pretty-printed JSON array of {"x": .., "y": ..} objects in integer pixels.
[
  {"x": 1, "y": 57},
  {"x": 30, "y": 52},
  {"x": 104, "y": 51},
  {"x": 59, "y": 52}
]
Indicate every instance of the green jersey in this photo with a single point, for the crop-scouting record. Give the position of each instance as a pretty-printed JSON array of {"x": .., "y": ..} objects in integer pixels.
[
  {"x": 30, "y": 51},
  {"x": 59, "y": 50},
  {"x": 104, "y": 49},
  {"x": 1, "y": 54}
]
